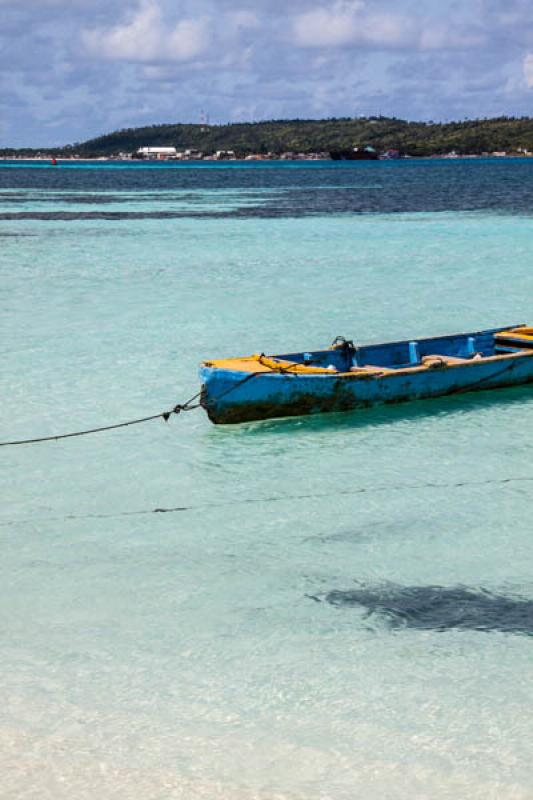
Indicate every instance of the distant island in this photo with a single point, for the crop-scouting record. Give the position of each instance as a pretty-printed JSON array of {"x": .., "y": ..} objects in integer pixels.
[{"x": 305, "y": 138}]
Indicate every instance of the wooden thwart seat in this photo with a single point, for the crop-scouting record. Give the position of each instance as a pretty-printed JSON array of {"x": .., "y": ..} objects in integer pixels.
[{"x": 437, "y": 360}]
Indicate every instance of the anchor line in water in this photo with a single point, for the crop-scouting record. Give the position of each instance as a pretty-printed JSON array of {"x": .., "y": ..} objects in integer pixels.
[
  {"x": 356, "y": 490},
  {"x": 188, "y": 406}
]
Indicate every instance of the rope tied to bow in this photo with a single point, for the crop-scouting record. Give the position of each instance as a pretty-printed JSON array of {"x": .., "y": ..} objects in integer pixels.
[{"x": 190, "y": 405}]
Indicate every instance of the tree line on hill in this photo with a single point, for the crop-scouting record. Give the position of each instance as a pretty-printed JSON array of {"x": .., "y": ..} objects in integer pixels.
[{"x": 307, "y": 136}]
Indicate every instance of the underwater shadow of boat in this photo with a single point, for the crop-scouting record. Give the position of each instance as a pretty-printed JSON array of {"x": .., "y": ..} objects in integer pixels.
[
  {"x": 412, "y": 411},
  {"x": 438, "y": 608}
]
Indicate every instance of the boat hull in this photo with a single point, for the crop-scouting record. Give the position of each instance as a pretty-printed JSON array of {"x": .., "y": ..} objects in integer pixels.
[{"x": 229, "y": 397}]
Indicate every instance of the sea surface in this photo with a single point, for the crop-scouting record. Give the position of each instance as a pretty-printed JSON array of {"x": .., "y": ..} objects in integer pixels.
[{"x": 330, "y": 608}]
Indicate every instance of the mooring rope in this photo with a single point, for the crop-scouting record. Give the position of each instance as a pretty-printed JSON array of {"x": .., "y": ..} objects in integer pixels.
[
  {"x": 188, "y": 406},
  {"x": 274, "y": 499}
]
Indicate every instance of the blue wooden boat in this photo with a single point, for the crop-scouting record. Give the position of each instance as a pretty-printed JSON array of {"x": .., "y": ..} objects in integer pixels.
[{"x": 348, "y": 376}]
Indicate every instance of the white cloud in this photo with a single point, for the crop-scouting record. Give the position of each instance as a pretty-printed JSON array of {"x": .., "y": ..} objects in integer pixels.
[
  {"x": 347, "y": 23},
  {"x": 149, "y": 37},
  {"x": 527, "y": 66},
  {"x": 327, "y": 27},
  {"x": 244, "y": 19},
  {"x": 446, "y": 37},
  {"x": 189, "y": 38},
  {"x": 389, "y": 30}
]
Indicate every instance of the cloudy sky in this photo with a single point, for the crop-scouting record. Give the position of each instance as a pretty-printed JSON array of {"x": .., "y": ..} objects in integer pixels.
[{"x": 71, "y": 69}]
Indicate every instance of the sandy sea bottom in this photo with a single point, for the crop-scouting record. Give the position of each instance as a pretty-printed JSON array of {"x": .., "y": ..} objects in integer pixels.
[{"x": 201, "y": 653}]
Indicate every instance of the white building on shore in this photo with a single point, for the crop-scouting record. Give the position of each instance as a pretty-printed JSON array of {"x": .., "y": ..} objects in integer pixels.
[{"x": 157, "y": 152}]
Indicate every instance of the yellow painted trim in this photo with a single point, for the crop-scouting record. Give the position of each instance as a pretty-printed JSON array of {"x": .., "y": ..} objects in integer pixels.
[
  {"x": 525, "y": 333},
  {"x": 261, "y": 363}
]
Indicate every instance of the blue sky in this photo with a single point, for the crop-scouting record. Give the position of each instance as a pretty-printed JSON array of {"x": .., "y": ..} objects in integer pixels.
[{"x": 71, "y": 69}]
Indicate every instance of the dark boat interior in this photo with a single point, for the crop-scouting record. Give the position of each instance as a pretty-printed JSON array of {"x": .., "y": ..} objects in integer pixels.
[{"x": 344, "y": 355}]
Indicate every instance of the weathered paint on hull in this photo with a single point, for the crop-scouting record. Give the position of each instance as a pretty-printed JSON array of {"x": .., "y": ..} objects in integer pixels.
[{"x": 267, "y": 396}]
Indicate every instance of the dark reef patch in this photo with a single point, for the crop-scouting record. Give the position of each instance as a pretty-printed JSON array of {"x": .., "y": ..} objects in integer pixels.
[
  {"x": 439, "y": 608},
  {"x": 281, "y": 189}
]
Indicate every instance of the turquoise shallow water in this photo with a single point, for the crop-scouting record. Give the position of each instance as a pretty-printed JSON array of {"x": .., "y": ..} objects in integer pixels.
[{"x": 194, "y": 654}]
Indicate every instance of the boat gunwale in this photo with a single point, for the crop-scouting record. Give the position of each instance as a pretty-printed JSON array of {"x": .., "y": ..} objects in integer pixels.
[
  {"x": 499, "y": 329},
  {"x": 377, "y": 373},
  {"x": 212, "y": 363}
]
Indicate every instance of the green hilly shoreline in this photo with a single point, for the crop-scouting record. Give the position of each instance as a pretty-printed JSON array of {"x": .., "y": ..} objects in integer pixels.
[{"x": 383, "y": 133}]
